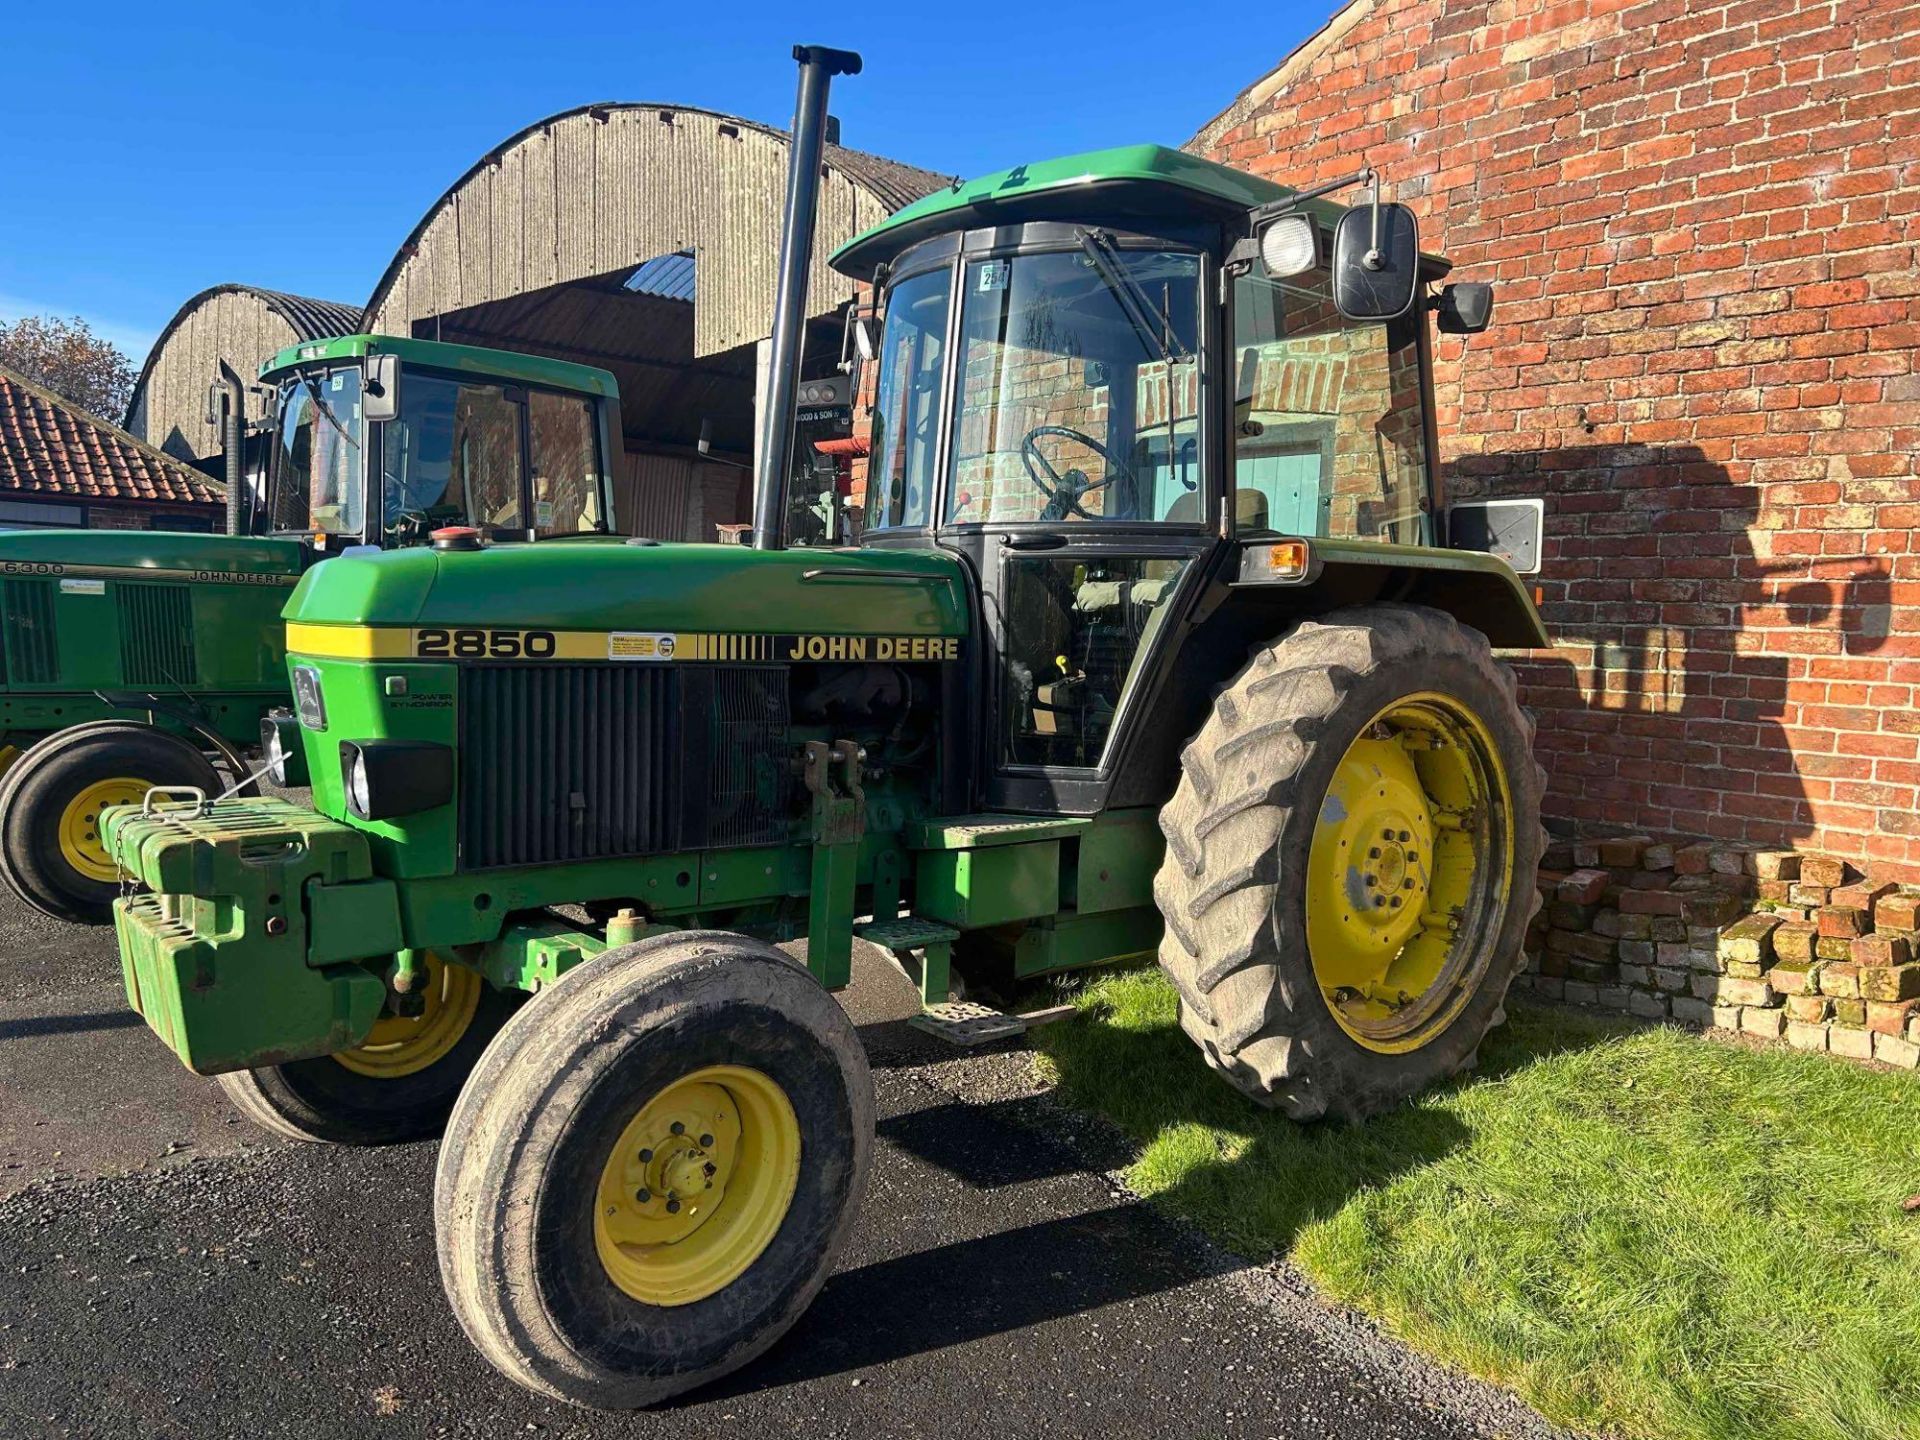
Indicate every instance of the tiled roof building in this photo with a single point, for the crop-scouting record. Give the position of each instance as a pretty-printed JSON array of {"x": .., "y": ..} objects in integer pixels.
[{"x": 61, "y": 466}]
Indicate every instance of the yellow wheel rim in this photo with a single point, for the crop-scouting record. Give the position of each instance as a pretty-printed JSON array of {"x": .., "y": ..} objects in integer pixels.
[
  {"x": 406, "y": 1044},
  {"x": 80, "y": 843},
  {"x": 1408, "y": 872},
  {"x": 697, "y": 1185}
]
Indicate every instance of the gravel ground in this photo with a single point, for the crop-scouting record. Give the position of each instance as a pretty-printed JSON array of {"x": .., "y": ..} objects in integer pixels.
[{"x": 165, "y": 1270}]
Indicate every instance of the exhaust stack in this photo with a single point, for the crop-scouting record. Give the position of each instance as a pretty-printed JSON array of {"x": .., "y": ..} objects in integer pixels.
[
  {"x": 227, "y": 407},
  {"x": 818, "y": 66}
]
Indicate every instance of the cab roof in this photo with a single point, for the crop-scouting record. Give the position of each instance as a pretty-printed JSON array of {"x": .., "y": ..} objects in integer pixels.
[
  {"x": 1142, "y": 180},
  {"x": 463, "y": 359}
]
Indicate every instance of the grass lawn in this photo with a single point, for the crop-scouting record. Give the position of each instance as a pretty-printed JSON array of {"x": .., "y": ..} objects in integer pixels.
[{"x": 1635, "y": 1229}]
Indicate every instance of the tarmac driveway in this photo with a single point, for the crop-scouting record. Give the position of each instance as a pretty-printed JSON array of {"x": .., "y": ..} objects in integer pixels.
[{"x": 167, "y": 1270}]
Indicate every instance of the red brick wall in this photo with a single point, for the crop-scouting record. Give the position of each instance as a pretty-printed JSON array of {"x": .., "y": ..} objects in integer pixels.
[{"x": 1701, "y": 217}]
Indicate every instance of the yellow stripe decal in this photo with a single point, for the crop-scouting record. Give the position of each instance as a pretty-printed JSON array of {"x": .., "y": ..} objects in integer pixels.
[{"x": 375, "y": 642}]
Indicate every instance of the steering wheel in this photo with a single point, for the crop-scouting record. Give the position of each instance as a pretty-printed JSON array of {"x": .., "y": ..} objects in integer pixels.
[{"x": 1066, "y": 492}]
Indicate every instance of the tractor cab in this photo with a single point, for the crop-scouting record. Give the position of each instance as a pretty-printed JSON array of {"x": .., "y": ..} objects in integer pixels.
[
  {"x": 376, "y": 440},
  {"x": 1127, "y": 387}
]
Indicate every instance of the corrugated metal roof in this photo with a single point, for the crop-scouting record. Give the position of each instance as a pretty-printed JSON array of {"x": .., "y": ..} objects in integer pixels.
[
  {"x": 49, "y": 448},
  {"x": 311, "y": 319},
  {"x": 668, "y": 276}
]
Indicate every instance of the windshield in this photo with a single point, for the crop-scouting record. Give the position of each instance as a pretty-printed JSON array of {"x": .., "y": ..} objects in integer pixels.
[
  {"x": 1329, "y": 430},
  {"x": 906, "y": 405},
  {"x": 454, "y": 457},
  {"x": 1079, "y": 389},
  {"x": 317, "y": 464}
]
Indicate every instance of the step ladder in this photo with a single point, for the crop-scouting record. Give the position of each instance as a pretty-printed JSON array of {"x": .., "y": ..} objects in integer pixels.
[{"x": 924, "y": 950}]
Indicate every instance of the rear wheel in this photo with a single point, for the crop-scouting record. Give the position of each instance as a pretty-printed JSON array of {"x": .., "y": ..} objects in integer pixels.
[
  {"x": 651, "y": 1173},
  {"x": 51, "y": 850},
  {"x": 1350, "y": 861},
  {"x": 400, "y": 1085}
]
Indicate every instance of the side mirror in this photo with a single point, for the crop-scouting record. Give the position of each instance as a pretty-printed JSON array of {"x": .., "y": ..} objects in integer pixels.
[
  {"x": 1464, "y": 309},
  {"x": 1376, "y": 262},
  {"x": 1510, "y": 529},
  {"x": 381, "y": 398}
]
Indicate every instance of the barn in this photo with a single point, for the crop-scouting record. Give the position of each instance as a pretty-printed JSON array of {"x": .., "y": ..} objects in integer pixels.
[{"x": 638, "y": 237}]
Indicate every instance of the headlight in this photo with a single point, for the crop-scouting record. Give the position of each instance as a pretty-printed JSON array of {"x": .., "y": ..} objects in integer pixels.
[
  {"x": 281, "y": 748},
  {"x": 359, "y": 791},
  {"x": 386, "y": 778}
]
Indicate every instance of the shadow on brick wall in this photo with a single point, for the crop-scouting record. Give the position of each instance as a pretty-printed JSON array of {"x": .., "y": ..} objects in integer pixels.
[{"x": 1710, "y": 677}]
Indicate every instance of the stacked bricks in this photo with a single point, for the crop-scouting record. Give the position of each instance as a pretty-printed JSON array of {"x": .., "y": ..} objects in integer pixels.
[
  {"x": 1699, "y": 217},
  {"x": 1789, "y": 948}
]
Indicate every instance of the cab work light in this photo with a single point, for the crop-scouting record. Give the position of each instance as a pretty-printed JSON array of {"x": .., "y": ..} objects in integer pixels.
[{"x": 385, "y": 778}]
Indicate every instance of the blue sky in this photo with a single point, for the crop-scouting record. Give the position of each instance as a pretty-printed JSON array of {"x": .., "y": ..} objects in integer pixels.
[{"x": 294, "y": 146}]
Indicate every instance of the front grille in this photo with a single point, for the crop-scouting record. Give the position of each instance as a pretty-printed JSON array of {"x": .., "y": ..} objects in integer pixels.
[
  {"x": 156, "y": 634},
  {"x": 33, "y": 653},
  {"x": 587, "y": 762}
]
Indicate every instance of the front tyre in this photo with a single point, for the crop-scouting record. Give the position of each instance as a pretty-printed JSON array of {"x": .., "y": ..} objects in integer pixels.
[
  {"x": 1350, "y": 861},
  {"x": 399, "y": 1085},
  {"x": 652, "y": 1171},
  {"x": 51, "y": 850}
]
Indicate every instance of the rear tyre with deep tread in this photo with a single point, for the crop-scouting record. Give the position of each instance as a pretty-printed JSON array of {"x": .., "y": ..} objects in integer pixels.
[
  {"x": 522, "y": 1183},
  {"x": 1233, "y": 886},
  {"x": 49, "y": 864}
]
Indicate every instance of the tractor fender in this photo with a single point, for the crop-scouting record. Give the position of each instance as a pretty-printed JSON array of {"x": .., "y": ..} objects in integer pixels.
[{"x": 1476, "y": 589}]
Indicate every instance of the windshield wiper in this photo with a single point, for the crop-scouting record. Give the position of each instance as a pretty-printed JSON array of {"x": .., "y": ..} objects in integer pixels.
[
  {"x": 1140, "y": 310},
  {"x": 320, "y": 404}
]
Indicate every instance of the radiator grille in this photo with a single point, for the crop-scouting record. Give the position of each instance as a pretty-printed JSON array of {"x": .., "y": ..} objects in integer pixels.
[
  {"x": 156, "y": 634},
  {"x": 33, "y": 655},
  {"x": 585, "y": 762}
]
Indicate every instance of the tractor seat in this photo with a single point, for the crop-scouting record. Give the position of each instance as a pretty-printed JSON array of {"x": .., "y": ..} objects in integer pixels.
[{"x": 1249, "y": 509}]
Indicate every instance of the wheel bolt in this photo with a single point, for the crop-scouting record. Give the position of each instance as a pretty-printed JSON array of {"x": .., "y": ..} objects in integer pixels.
[
  {"x": 1396, "y": 902},
  {"x": 1407, "y": 884},
  {"x": 1371, "y": 881},
  {"x": 673, "y": 1207},
  {"x": 643, "y": 1196},
  {"x": 1405, "y": 836},
  {"x": 1412, "y": 855},
  {"x": 1374, "y": 853},
  {"x": 1378, "y": 901},
  {"x": 645, "y": 1156},
  {"x": 706, "y": 1140},
  {"x": 677, "y": 1128}
]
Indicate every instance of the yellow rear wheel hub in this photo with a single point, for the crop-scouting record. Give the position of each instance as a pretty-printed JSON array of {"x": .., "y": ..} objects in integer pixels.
[
  {"x": 81, "y": 845},
  {"x": 696, "y": 1186},
  {"x": 1408, "y": 872},
  {"x": 407, "y": 1044}
]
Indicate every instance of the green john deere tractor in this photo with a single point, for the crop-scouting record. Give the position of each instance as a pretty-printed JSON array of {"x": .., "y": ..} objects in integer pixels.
[
  {"x": 1150, "y": 645},
  {"x": 141, "y": 660}
]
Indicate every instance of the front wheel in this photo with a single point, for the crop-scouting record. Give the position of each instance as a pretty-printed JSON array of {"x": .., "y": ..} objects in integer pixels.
[
  {"x": 650, "y": 1175},
  {"x": 1350, "y": 861},
  {"x": 51, "y": 850},
  {"x": 400, "y": 1085}
]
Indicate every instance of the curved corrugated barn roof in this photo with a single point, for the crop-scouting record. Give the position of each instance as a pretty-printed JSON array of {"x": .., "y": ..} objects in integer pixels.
[
  {"x": 241, "y": 324},
  {"x": 603, "y": 188}
]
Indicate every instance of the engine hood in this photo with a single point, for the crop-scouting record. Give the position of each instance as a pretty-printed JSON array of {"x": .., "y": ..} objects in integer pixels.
[{"x": 615, "y": 586}]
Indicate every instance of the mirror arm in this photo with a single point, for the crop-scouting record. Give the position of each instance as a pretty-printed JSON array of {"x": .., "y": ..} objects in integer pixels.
[{"x": 1372, "y": 259}]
